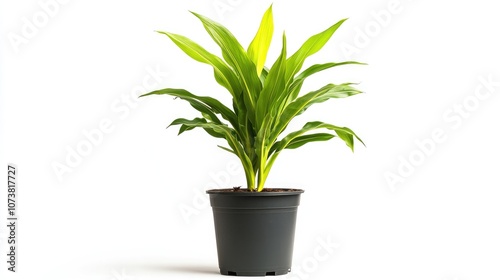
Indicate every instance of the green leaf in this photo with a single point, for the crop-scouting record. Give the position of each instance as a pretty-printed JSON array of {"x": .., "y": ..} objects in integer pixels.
[
  {"x": 184, "y": 128},
  {"x": 299, "y": 80},
  {"x": 226, "y": 149},
  {"x": 304, "y": 139},
  {"x": 300, "y": 104},
  {"x": 223, "y": 73},
  {"x": 274, "y": 86},
  {"x": 262, "y": 143},
  {"x": 343, "y": 133},
  {"x": 299, "y": 141},
  {"x": 297, "y": 138},
  {"x": 263, "y": 75},
  {"x": 237, "y": 58},
  {"x": 310, "y": 47},
  {"x": 257, "y": 51},
  {"x": 187, "y": 125},
  {"x": 204, "y": 104}
]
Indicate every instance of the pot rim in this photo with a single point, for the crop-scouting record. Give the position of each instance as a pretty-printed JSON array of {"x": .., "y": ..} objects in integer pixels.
[{"x": 231, "y": 192}]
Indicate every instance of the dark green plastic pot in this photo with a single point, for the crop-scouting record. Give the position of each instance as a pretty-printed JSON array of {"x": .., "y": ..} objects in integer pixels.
[{"x": 255, "y": 230}]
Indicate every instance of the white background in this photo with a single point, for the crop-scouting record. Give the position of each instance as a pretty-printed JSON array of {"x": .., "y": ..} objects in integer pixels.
[{"x": 116, "y": 212}]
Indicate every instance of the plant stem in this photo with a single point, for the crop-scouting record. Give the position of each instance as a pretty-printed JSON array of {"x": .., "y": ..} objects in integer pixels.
[{"x": 262, "y": 170}]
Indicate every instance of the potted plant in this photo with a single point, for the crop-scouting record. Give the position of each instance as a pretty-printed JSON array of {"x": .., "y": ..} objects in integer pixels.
[{"x": 255, "y": 225}]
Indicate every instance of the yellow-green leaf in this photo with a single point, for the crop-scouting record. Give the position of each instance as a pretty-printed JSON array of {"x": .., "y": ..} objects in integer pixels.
[{"x": 257, "y": 51}]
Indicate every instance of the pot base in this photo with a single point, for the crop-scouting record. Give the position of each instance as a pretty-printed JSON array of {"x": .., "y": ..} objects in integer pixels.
[{"x": 253, "y": 273}]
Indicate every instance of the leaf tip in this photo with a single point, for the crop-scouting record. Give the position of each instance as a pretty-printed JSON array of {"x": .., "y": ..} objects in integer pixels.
[
  {"x": 196, "y": 14},
  {"x": 145, "y": 94}
]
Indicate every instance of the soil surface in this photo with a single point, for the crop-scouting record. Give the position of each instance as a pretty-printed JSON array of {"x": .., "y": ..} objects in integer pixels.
[{"x": 240, "y": 189}]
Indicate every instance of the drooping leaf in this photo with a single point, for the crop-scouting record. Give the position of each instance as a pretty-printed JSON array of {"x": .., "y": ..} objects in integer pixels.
[
  {"x": 297, "y": 138},
  {"x": 299, "y": 79},
  {"x": 223, "y": 73},
  {"x": 203, "y": 104},
  {"x": 187, "y": 125},
  {"x": 343, "y": 133},
  {"x": 300, "y": 104},
  {"x": 184, "y": 128},
  {"x": 304, "y": 139},
  {"x": 300, "y": 141}
]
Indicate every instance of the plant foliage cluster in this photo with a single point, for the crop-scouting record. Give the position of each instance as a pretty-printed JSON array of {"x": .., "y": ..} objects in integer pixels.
[{"x": 264, "y": 100}]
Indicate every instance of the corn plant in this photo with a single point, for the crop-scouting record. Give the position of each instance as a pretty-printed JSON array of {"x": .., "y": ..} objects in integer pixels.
[{"x": 264, "y": 100}]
